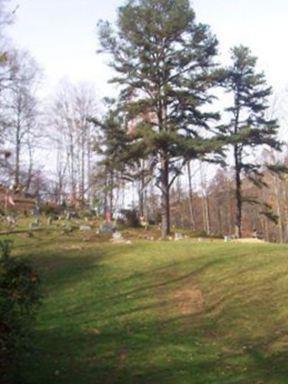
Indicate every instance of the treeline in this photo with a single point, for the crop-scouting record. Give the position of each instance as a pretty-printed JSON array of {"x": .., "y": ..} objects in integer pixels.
[{"x": 211, "y": 210}]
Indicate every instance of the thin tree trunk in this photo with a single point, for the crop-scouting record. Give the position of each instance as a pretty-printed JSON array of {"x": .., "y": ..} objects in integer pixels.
[
  {"x": 82, "y": 168},
  {"x": 277, "y": 191},
  {"x": 238, "y": 196},
  {"x": 30, "y": 170},
  {"x": 111, "y": 194},
  {"x": 165, "y": 199},
  {"x": 89, "y": 193},
  {"x": 17, "y": 166},
  {"x": 206, "y": 212},
  {"x": 192, "y": 218},
  {"x": 141, "y": 192},
  {"x": 106, "y": 195},
  {"x": 17, "y": 156},
  {"x": 205, "y": 206},
  {"x": 220, "y": 223}
]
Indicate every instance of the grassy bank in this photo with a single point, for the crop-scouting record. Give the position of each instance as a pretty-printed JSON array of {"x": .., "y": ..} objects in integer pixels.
[{"x": 159, "y": 312}]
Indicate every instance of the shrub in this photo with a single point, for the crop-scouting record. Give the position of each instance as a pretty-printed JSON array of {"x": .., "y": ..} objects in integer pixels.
[
  {"x": 51, "y": 210},
  {"x": 19, "y": 300}
]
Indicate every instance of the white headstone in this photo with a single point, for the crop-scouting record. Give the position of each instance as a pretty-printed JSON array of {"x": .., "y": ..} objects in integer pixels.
[
  {"x": 178, "y": 236},
  {"x": 85, "y": 228},
  {"x": 117, "y": 236}
]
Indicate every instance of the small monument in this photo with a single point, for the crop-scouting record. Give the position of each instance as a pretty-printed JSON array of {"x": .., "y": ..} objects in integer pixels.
[
  {"x": 178, "y": 236},
  {"x": 117, "y": 236}
]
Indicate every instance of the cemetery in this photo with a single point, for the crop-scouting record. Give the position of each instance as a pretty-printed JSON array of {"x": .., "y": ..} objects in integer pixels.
[{"x": 143, "y": 192}]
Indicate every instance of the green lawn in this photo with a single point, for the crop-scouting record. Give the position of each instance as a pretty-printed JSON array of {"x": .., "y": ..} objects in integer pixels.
[{"x": 159, "y": 312}]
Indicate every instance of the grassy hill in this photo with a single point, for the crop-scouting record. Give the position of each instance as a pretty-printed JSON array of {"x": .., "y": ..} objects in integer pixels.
[{"x": 159, "y": 312}]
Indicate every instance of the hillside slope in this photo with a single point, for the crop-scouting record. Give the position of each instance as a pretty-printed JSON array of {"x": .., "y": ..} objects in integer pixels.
[{"x": 160, "y": 312}]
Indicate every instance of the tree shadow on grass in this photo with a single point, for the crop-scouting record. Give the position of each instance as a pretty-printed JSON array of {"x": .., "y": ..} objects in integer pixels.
[
  {"x": 143, "y": 350},
  {"x": 141, "y": 355}
]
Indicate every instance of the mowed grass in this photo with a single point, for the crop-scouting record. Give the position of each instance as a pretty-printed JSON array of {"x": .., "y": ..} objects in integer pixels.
[{"x": 159, "y": 312}]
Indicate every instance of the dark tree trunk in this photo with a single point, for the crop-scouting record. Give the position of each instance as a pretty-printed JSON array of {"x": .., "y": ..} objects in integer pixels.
[
  {"x": 165, "y": 199},
  {"x": 238, "y": 195}
]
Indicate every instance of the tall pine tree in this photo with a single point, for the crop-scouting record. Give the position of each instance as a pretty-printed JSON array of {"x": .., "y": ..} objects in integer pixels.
[
  {"x": 248, "y": 127},
  {"x": 165, "y": 65}
]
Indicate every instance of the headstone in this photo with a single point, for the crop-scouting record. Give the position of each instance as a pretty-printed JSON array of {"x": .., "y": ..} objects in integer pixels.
[
  {"x": 178, "y": 236},
  {"x": 227, "y": 238},
  {"x": 117, "y": 236},
  {"x": 85, "y": 228},
  {"x": 10, "y": 220}
]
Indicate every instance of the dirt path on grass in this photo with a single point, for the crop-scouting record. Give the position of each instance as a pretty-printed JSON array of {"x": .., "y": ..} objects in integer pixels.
[
  {"x": 179, "y": 301},
  {"x": 188, "y": 300}
]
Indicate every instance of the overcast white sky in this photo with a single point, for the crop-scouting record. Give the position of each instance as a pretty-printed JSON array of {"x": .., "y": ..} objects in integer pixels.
[{"x": 61, "y": 35}]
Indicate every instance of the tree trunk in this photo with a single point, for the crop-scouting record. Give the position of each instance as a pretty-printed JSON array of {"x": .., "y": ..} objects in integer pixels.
[
  {"x": 82, "y": 193},
  {"x": 165, "y": 199},
  {"x": 30, "y": 169},
  {"x": 142, "y": 192},
  {"x": 111, "y": 194},
  {"x": 17, "y": 154},
  {"x": 89, "y": 181},
  {"x": 278, "y": 200},
  {"x": 206, "y": 214},
  {"x": 17, "y": 166},
  {"x": 205, "y": 202},
  {"x": 192, "y": 218},
  {"x": 238, "y": 195},
  {"x": 180, "y": 215}
]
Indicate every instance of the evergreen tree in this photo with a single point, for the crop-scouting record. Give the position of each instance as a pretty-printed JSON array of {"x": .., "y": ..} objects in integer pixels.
[
  {"x": 165, "y": 65},
  {"x": 248, "y": 127}
]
